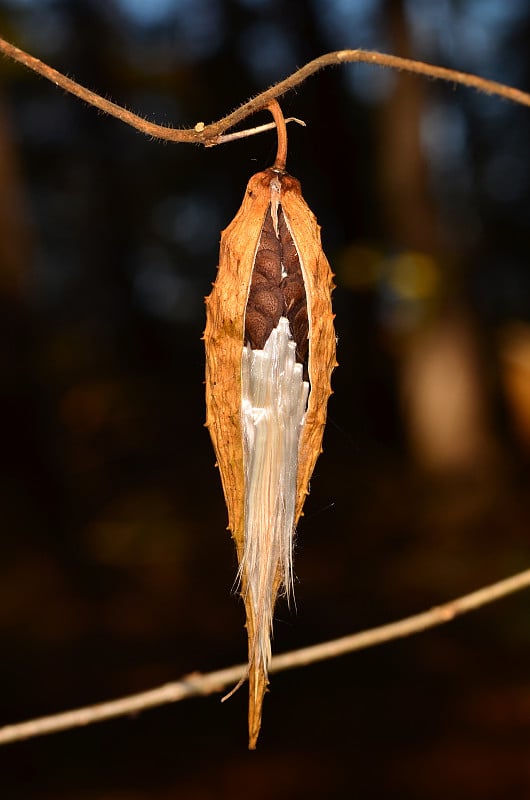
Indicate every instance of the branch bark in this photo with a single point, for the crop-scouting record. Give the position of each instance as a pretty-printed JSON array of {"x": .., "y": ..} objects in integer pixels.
[
  {"x": 210, "y": 135},
  {"x": 198, "y": 684}
]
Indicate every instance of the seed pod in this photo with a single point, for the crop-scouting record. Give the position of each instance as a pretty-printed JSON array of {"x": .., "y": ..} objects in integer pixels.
[{"x": 270, "y": 351}]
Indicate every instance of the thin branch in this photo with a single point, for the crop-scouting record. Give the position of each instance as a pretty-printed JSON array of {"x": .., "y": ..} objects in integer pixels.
[
  {"x": 268, "y": 126},
  {"x": 198, "y": 684},
  {"x": 210, "y": 134}
]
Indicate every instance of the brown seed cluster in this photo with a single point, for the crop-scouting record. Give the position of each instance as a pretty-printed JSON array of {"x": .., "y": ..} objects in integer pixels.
[{"x": 271, "y": 296}]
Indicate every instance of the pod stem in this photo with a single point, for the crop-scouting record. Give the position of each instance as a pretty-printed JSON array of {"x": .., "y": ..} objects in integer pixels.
[{"x": 281, "y": 128}]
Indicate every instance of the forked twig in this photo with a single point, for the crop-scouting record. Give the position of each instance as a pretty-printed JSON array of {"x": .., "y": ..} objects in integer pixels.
[
  {"x": 197, "y": 684},
  {"x": 268, "y": 126},
  {"x": 210, "y": 134}
]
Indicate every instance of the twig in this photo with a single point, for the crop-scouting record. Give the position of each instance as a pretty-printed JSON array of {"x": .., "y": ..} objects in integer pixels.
[
  {"x": 268, "y": 126},
  {"x": 198, "y": 684},
  {"x": 209, "y": 134}
]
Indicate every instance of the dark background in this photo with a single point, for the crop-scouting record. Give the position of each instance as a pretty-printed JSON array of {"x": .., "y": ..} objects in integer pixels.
[{"x": 115, "y": 565}]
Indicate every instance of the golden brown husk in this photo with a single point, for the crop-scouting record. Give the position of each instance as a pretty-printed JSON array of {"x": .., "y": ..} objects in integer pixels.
[{"x": 224, "y": 338}]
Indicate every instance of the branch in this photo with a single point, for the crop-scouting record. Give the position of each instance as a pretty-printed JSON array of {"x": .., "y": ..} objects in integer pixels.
[
  {"x": 198, "y": 684},
  {"x": 209, "y": 135}
]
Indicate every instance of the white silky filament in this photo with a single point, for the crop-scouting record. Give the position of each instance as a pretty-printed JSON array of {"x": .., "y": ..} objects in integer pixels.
[{"x": 274, "y": 401}]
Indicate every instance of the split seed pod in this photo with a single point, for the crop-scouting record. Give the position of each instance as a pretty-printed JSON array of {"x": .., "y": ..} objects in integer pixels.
[{"x": 270, "y": 351}]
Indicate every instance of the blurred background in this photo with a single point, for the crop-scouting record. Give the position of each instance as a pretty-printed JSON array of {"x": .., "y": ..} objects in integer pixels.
[{"x": 115, "y": 564}]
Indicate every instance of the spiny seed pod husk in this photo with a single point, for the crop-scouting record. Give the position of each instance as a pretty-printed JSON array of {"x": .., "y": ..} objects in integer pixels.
[{"x": 271, "y": 267}]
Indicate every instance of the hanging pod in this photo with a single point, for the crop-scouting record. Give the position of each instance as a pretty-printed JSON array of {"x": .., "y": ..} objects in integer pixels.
[{"x": 270, "y": 351}]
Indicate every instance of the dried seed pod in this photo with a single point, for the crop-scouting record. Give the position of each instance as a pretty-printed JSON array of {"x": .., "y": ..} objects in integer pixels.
[{"x": 270, "y": 351}]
